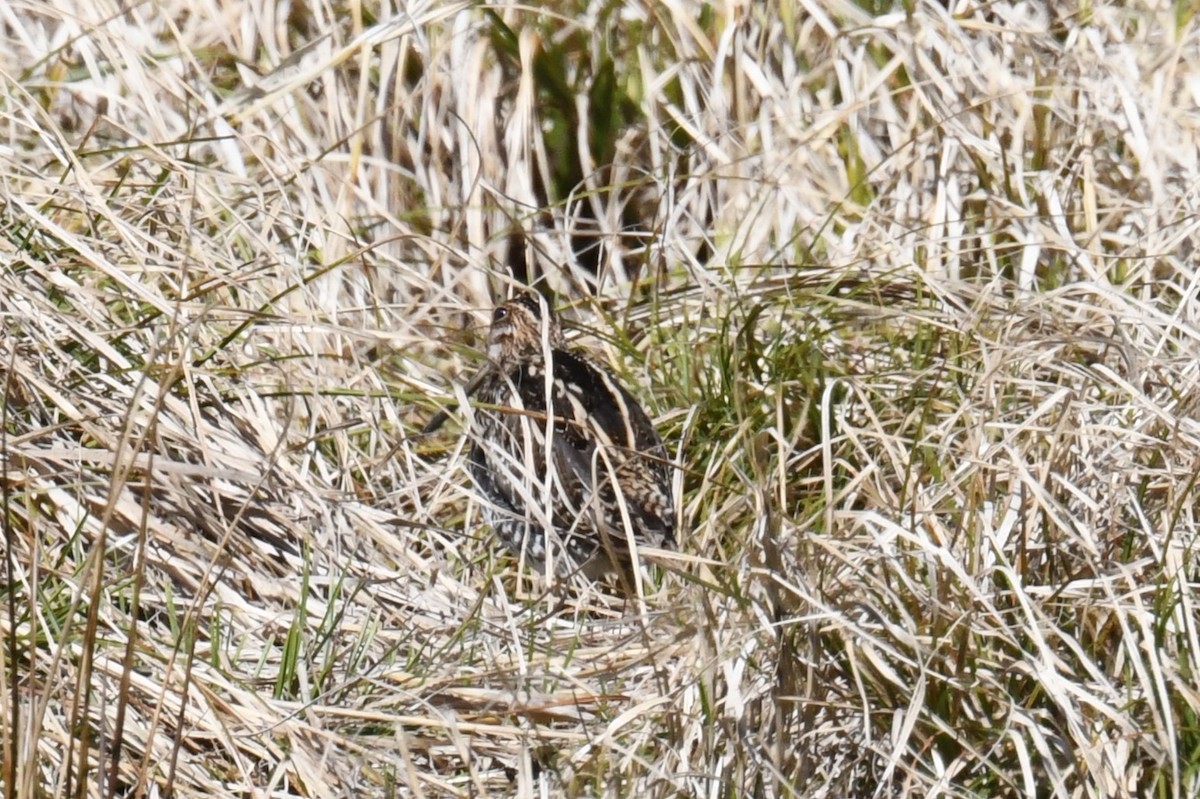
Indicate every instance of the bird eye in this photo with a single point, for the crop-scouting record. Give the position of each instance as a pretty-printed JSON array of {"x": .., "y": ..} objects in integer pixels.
[{"x": 499, "y": 315}]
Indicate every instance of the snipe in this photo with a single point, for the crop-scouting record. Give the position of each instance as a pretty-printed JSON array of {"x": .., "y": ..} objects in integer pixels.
[{"x": 569, "y": 463}]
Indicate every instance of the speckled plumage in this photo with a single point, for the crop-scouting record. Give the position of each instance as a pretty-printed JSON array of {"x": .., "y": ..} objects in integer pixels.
[{"x": 587, "y": 465}]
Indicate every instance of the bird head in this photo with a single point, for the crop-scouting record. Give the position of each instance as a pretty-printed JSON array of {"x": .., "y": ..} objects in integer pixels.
[{"x": 519, "y": 328}]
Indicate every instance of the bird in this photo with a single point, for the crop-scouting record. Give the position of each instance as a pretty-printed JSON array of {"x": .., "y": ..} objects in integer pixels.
[{"x": 572, "y": 471}]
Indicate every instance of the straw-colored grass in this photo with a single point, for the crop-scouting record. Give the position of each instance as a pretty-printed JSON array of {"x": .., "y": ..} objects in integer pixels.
[{"x": 910, "y": 291}]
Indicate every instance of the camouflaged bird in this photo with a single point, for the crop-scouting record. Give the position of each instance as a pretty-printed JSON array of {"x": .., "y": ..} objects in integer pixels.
[{"x": 568, "y": 461}]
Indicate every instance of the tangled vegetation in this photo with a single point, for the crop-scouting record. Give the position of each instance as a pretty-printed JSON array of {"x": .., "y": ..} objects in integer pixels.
[{"x": 909, "y": 288}]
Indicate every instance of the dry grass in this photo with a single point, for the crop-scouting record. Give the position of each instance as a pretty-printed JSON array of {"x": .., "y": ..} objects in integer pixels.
[{"x": 912, "y": 294}]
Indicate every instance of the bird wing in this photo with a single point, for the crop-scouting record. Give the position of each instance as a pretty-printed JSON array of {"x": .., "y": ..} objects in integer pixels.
[
  {"x": 606, "y": 439},
  {"x": 605, "y": 458}
]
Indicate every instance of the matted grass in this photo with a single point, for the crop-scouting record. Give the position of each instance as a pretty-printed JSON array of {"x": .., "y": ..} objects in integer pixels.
[{"x": 910, "y": 291}]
